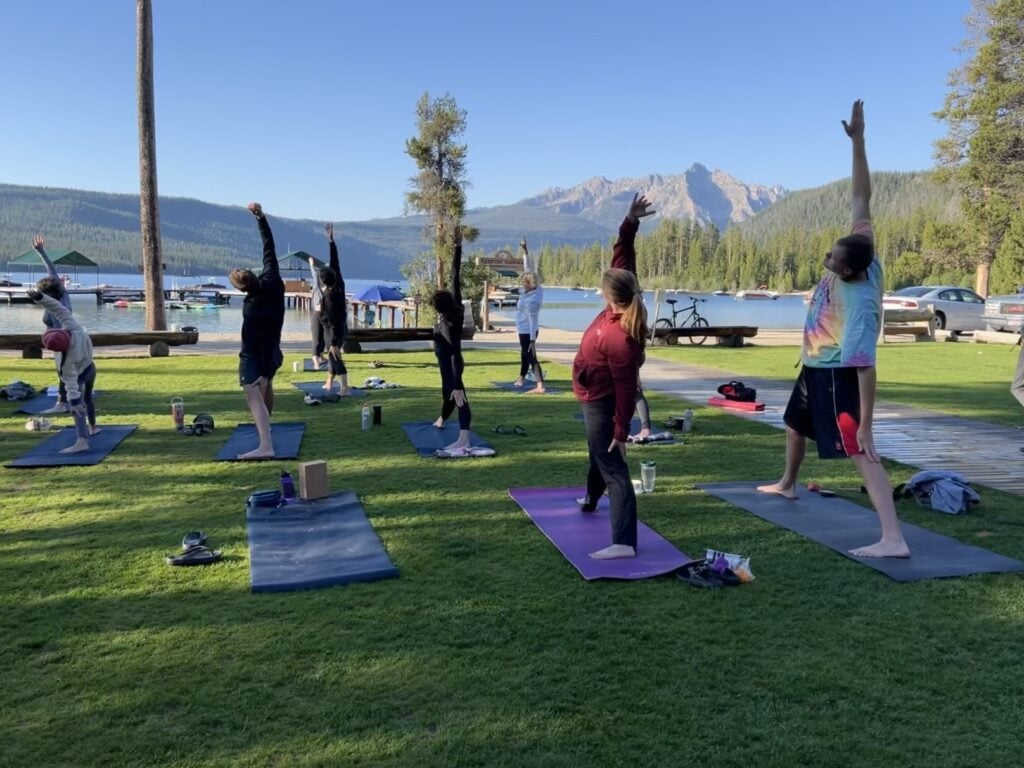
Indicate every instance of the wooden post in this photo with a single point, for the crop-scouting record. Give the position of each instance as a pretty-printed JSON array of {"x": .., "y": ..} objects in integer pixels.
[{"x": 485, "y": 310}]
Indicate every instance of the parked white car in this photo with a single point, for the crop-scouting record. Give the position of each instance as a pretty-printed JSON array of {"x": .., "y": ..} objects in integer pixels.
[
  {"x": 956, "y": 309},
  {"x": 1004, "y": 313}
]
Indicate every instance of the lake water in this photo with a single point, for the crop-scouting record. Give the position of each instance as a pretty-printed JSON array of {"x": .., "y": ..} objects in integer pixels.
[{"x": 564, "y": 308}]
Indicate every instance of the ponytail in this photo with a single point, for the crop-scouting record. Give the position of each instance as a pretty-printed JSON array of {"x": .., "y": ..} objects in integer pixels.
[
  {"x": 634, "y": 320},
  {"x": 622, "y": 288}
]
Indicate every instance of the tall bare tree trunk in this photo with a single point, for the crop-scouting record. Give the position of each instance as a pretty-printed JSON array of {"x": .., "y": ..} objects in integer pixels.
[
  {"x": 149, "y": 206},
  {"x": 981, "y": 278}
]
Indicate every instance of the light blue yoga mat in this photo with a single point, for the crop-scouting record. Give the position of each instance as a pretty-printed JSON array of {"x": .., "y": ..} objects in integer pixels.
[
  {"x": 426, "y": 438},
  {"x": 510, "y": 386},
  {"x": 312, "y": 544},
  {"x": 286, "y": 436},
  {"x": 634, "y": 427},
  {"x": 316, "y": 388},
  {"x": 47, "y": 453},
  {"x": 41, "y": 402}
]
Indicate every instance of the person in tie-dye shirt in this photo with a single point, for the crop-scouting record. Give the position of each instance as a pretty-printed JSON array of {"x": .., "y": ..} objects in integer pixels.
[{"x": 833, "y": 402}]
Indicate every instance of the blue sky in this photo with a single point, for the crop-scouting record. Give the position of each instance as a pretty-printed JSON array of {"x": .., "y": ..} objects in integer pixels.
[{"x": 306, "y": 105}]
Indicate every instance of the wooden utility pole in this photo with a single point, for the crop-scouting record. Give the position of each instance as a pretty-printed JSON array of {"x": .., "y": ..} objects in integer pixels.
[{"x": 149, "y": 206}]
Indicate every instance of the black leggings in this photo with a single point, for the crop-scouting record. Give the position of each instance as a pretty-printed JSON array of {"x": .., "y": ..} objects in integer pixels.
[
  {"x": 447, "y": 387},
  {"x": 337, "y": 365},
  {"x": 528, "y": 358},
  {"x": 317, "y": 332},
  {"x": 643, "y": 410},
  {"x": 609, "y": 470}
]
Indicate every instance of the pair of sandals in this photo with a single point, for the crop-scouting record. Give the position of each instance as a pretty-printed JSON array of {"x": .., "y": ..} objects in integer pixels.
[
  {"x": 194, "y": 551},
  {"x": 378, "y": 364},
  {"x": 194, "y": 429},
  {"x": 707, "y": 575},
  {"x": 501, "y": 429}
]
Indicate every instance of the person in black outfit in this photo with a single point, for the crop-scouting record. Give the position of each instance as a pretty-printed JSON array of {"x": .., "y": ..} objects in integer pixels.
[
  {"x": 448, "y": 349},
  {"x": 334, "y": 315},
  {"x": 262, "y": 318}
]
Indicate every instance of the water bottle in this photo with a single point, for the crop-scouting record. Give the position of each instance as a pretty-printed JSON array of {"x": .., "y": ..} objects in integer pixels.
[
  {"x": 366, "y": 416},
  {"x": 178, "y": 413},
  {"x": 287, "y": 487},
  {"x": 687, "y": 419}
]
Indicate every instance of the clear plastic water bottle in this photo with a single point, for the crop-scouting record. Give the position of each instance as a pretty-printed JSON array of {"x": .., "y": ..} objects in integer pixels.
[
  {"x": 287, "y": 487},
  {"x": 687, "y": 419},
  {"x": 366, "y": 416}
]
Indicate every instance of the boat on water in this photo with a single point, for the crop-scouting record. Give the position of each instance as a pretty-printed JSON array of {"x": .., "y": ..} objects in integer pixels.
[
  {"x": 758, "y": 294},
  {"x": 8, "y": 281},
  {"x": 503, "y": 296}
]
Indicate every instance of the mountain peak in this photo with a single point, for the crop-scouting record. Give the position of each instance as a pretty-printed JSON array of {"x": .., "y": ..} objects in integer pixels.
[{"x": 698, "y": 193}]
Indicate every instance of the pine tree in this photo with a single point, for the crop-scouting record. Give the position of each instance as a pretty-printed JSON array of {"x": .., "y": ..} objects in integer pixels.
[{"x": 984, "y": 151}]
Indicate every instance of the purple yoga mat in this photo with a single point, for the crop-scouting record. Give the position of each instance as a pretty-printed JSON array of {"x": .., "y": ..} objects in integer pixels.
[{"x": 576, "y": 534}]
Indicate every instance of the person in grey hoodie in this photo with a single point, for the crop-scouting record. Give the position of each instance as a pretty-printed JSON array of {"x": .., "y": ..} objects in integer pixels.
[
  {"x": 527, "y": 317},
  {"x": 52, "y": 286},
  {"x": 72, "y": 351}
]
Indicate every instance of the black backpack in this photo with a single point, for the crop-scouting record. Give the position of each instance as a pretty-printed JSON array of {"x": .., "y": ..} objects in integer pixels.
[{"x": 737, "y": 390}]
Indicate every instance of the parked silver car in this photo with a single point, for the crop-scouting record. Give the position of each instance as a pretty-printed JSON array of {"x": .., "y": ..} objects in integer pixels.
[
  {"x": 956, "y": 309},
  {"x": 1004, "y": 313}
]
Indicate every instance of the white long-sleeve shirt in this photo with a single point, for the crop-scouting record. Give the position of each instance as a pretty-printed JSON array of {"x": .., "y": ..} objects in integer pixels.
[{"x": 78, "y": 356}]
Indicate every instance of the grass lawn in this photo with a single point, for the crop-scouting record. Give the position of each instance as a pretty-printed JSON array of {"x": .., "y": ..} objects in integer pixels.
[
  {"x": 970, "y": 380},
  {"x": 489, "y": 650}
]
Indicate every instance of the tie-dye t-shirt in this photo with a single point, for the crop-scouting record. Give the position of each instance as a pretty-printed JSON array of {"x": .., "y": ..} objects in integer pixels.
[{"x": 844, "y": 318}]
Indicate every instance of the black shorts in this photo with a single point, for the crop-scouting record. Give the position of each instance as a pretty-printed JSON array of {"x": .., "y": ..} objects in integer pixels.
[
  {"x": 825, "y": 406},
  {"x": 253, "y": 367}
]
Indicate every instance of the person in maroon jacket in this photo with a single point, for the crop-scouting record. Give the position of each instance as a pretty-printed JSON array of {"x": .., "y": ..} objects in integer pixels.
[{"x": 605, "y": 375}]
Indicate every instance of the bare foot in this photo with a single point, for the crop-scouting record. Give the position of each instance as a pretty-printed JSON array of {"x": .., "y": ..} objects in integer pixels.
[
  {"x": 439, "y": 423},
  {"x": 458, "y": 445},
  {"x": 345, "y": 391},
  {"x": 883, "y": 548},
  {"x": 327, "y": 386},
  {"x": 61, "y": 407},
  {"x": 94, "y": 430},
  {"x": 614, "y": 552},
  {"x": 518, "y": 382},
  {"x": 538, "y": 390},
  {"x": 258, "y": 453},
  {"x": 81, "y": 445},
  {"x": 779, "y": 489}
]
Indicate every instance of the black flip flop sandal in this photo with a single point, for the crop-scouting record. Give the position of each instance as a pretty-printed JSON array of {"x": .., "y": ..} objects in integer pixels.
[
  {"x": 501, "y": 429},
  {"x": 519, "y": 431},
  {"x": 197, "y": 555},
  {"x": 193, "y": 539},
  {"x": 699, "y": 574}
]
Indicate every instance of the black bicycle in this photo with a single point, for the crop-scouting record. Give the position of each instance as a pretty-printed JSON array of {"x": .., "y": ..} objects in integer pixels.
[{"x": 691, "y": 319}]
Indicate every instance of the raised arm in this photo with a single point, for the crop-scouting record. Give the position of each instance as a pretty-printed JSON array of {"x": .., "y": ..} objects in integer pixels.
[
  {"x": 526, "y": 256},
  {"x": 58, "y": 310},
  {"x": 456, "y": 271},
  {"x": 51, "y": 269},
  {"x": 624, "y": 252},
  {"x": 861, "y": 199},
  {"x": 335, "y": 264},
  {"x": 270, "y": 265}
]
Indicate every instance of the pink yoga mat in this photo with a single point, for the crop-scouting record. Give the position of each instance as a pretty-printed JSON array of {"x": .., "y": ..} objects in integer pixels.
[{"x": 577, "y": 533}]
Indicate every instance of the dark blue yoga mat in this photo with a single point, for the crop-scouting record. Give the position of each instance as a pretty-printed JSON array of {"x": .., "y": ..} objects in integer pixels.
[
  {"x": 842, "y": 525},
  {"x": 41, "y": 402},
  {"x": 286, "y": 436},
  {"x": 316, "y": 388},
  {"x": 47, "y": 453},
  {"x": 427, "y": 438},
  {"x": 311, "y": 544},
  {"x": 510, "y": 386}
]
